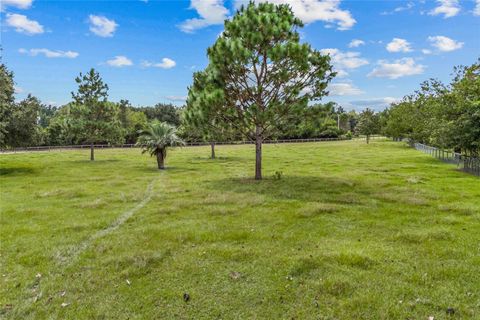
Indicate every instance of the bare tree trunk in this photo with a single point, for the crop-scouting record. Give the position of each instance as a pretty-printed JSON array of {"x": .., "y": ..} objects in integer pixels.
[
  {"x": 92, "y": 155},
  {"x": 212, "y": 145},
  {"x": 258, "y": 153},
  {"x": 160, "y": 160},
  {"x": 368, "y": 138}
]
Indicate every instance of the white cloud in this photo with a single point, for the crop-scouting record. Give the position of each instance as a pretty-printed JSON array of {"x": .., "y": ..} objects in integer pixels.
[
  {"x": 119, "y": 61},
  {"x": 449, "y": 8},
  {"x": 176, "y": 98},
  {"x": 20, "y": 4},
  {"x": 376, "y": 104},
  {"x": 211, "y": 12},
  {"x": 102, "y": 26},
  {"x": 344, "y": 60},
  {"x": 399, "y": 45},
  {"x": 445, "y": 44},
  {"x": 343, "y": 89},
  {"x": 426, "y": 51},
  {"x": 23, "y": 25},
  {"x": 408, "y": 6},
  {"x": 166, "y": 63},
  {"x": 476, "y": 10},
  {"x": 315, "y": 10},
  {"x": 356, "y": 43},
  {"x": 50, "y": 53},
  {"x": 397, "y": 69}
]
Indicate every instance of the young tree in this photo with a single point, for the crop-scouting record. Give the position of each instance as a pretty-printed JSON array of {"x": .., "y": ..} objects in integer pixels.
[
  {"x": 203, "y": 119},
  {"x": 157, "y": 138},
  {"x": 261, "y": 75},
  {"x": 92, "y": 115},
  {"x": 368, "y": 123}
]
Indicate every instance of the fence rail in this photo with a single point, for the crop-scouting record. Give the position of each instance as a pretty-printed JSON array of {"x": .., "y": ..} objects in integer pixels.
[
  {"x": 192, "y": 144},
  {"x": 464, "y": 163}
]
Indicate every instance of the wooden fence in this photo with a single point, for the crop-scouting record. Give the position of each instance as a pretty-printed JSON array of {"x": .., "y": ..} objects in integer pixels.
[{"x": 109, "y": 146}]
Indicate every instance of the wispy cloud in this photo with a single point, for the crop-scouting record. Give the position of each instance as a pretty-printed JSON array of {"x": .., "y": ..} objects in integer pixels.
[
  {"x": 177, "y": 98},
  {"x": 342, "y": 61},
  {"x": 310, "y": 11},
  {"x": 102, "y": 26},
  {"x": 399, "y": 45},
  {"x": 50, "y": 53},
  {"x": 211, "y": 12},
  {"x": 447, "y": 8},
  {"x": 166, "y": 63},
  {"x": 19, "y": 4},
  {"x": 119, "y": 61},
  {"x": 356, "y": 43},
  {"x": 397, "y": 69},
  {"x": 445, "y": 44},
  {"x": 343, "y": 89},
  {"x": 23, "y": 25}
]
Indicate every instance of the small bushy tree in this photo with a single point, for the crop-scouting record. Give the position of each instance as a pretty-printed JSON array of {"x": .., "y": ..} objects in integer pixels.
[
  {"x": 368, "y": 124},
  {"x": 157, "y": 138}
]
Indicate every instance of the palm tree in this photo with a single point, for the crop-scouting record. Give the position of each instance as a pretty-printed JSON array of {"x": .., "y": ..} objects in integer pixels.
[{"x": 157, "y": 138}]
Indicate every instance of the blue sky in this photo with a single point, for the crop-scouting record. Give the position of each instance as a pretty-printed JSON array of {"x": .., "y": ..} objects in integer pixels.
[{"x": 147, "y": 50}]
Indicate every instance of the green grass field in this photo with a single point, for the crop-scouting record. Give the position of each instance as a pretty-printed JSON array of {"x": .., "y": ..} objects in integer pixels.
[{"x": 350, "y": 231}]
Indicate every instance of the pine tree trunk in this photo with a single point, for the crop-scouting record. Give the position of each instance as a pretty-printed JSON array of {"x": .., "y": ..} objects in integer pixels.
[
  {"x": 160, "y": 160},
  {"x": 368, "y": 138},
  {"x": 258, "y": 153},
  {"x": 92, "y": 155},
  {"x": 212, "y": 145}
]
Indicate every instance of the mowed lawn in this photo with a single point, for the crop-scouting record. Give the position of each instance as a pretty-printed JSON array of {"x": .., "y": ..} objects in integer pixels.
[{"x": 349, "y": 231}]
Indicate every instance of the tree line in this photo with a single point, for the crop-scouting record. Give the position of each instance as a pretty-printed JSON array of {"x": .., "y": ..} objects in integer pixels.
[
  {"x": 30, "y": 122},
  {"x": 260, "y": 83},
  {"x": 442, "y": 115}
]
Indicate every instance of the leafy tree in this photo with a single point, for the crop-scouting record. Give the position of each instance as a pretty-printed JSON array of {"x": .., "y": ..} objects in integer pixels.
[
  {"x": 93, "y": 116},
  {"x": 46, "y": 113},
  {"x": 201, "y": 119},
  {"x": 22, "y": 127},
  {"x": 157, "y": 138},
  {"x": 368, "y": 123},
  {"x": 445, "y": 116},
  {"x": 260, "y": 75},
  {"x": 163, "y": 113},
  {"x": 132, "y": 121},
  {"x": 7, "y": 100},
  {"x": 462, "y": 119}
]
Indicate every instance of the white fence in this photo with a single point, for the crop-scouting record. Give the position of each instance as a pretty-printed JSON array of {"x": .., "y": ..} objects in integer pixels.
[{"x": 465, "y": 163}]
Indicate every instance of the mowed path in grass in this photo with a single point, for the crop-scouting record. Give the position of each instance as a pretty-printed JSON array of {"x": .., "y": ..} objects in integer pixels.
[{"x": 350, "y": 231}]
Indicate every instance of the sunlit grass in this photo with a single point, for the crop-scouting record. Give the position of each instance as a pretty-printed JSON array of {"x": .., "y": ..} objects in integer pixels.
[{"x": 350, "y": 231}]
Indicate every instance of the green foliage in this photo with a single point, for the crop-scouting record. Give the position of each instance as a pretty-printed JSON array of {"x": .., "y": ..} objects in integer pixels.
[
  {"x": 132, "y": 121},
  {"x": 157, "y": 138},
  {"x": 201, "y": 119},
  {"x": 92, "y": 117},
  {"x": 22, "y": 129},
  {"x": 368, "y": 123},
  {"x": 162, "y": 112},
  {"x": 440, "y": 115},
  {"x": 7, "y": 99},
  {"x": 259, "y": 75}
]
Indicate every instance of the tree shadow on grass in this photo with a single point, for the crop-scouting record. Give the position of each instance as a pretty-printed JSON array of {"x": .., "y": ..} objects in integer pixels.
[
  {"x": 303, "y": 188},
  {"x": 16, "y": 171},
  {"x": 218, "y": 159},
  {"x": 98, "y": 161}
]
